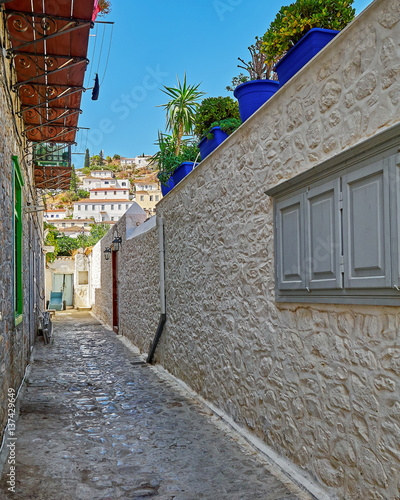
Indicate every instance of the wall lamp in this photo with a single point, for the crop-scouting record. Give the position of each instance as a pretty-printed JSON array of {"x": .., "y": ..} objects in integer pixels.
[
  {"x": 117, "y": 241},
  {"x": 107, "y": 253}
]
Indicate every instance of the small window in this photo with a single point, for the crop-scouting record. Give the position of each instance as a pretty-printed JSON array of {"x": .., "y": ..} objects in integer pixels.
[
  {"x": 86, "y": 207},
  {"x": 103, "y": 207},
  {"x": 106, "y": 182},
  {"x": 115, "y": 193},
  {"x": 157, "y": 197},
  {"x": 112, "y": 218},
  {"x": 93, "y": 207},
  {"x": 95, "y": 193},
  {"x": 85, "y": 224},
  {"x": 63, "y": 224},
  {"x": 79, "y": 207},
  {"x": 119, "y": 207},
  {"x": 141, "y": 197},
  {"x": 123, "y": 184},
  {"x": 151, "y": 197},
  {"x": 83, "y": 277},
  {"x": 127, "y": 206},
  {"x": 112, "y": 207}
]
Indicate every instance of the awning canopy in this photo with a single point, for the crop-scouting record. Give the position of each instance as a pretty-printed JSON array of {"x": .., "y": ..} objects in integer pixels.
[{"x": 49, "y": 43}]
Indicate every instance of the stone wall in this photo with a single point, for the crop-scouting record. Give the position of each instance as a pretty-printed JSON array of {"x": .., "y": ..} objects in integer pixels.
[
  {"x": 138, "y": 284},
  {"x": 16, "y": 341},
  {"x": 318, "y": 383},
  {"x": 139, "y": 290}
]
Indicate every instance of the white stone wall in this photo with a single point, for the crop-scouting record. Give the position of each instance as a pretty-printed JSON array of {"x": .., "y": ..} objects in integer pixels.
[{"x": 318, "y": 383}]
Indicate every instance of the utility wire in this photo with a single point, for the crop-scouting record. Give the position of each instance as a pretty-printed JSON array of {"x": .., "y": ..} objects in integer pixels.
[{"x": 108, "y": 55}]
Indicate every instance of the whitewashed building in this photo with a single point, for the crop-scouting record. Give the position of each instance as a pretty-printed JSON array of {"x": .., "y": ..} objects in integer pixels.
[
  {"x": 92, "y": 182},
  {"x": 56, "y": 214},
  {"x": 108, "y": 193},
  {"x": 139, "y": 161},
  {"x": 102, "y": 210}
]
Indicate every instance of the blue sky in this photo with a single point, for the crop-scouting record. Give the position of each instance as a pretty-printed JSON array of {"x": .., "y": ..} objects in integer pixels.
[{"x": 152, "y": 42}]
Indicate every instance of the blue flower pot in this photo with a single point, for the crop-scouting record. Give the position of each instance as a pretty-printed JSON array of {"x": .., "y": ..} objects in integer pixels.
[
  {"x": 181, "y": 172},
  {"x": 253, "y": 94},
  {"x": 302, "y": 52},
  {"x": 170, "y": 185},
  {"x": 207, "y": 146}
]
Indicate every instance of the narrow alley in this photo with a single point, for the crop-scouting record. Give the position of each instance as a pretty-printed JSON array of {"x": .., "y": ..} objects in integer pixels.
[{"x": 96, "y": 424}]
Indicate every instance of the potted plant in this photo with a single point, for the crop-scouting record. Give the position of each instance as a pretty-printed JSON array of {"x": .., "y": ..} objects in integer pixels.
[
  {"x": 174, "y": 150},
  {"x": 301, "y": 30},
  {"x": 215, "y": 120},
  {"x": 253, "y": 91}
]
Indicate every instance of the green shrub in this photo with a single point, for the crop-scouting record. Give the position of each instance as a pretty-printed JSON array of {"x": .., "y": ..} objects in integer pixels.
[
  {"x": 293, "y": 21},
  {"x": 212, "y": 112},
  {"x": 166, "y": 159}
]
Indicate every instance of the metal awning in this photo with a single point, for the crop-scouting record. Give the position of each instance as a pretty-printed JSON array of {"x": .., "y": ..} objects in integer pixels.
[{"x": 49, "y": 43}]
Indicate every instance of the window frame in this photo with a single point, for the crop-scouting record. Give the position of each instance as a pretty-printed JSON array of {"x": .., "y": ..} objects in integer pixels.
[
  {"x": 382, "y": 149},
  {"x": 18, "y": 183}
]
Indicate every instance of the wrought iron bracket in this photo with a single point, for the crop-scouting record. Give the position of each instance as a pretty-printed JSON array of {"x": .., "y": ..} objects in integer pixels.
[
  {"x": 47, "y": 27},
  {"x": 48, "y": 101},
  {"x": 24, "y": 60},
  {"x": 37, "y": 109},
  {"x": 52, "y": 122}
]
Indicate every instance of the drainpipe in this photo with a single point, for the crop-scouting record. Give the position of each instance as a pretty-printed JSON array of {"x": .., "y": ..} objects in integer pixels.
[{"x": 163, "y": 316}]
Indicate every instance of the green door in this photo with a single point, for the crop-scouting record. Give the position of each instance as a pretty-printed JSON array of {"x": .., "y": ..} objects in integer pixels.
[{"x": 64, "y": 283}]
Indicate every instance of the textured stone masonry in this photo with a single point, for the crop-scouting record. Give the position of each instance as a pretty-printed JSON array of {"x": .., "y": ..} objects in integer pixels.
[{"x": 318, "y": 383}]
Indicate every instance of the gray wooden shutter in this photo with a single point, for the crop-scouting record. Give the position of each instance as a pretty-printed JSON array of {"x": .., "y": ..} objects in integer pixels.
[
  {"x": 290, "y": 243},
  {"x": 323, "y": 236},
  {"x": 366, "y": 227},
  {"x": 394, "y": 186}
]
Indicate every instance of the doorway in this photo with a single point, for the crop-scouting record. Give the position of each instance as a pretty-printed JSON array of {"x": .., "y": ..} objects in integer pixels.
[
  {"x": 64, "y": 283},
  {"x": 115, "y": 291}
]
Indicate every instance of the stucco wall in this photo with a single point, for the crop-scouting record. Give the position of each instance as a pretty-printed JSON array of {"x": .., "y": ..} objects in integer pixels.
[{"x": 318, "y": 383}]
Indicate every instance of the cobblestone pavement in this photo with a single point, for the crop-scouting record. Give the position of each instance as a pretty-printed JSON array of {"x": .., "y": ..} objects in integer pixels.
[{"x": 93, "y": 425}]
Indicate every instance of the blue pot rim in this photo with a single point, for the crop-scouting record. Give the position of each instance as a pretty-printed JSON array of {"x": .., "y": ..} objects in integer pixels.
[
  {"x": 312, "y": 30},
  {"x": 205, "y": 137},
  {"x": 186, "y": 163},
  {"x": 254, "y": 82}
]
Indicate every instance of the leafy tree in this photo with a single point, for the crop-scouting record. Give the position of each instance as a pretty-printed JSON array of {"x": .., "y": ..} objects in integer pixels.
[
  {"x": 74, "y": 180},
  {"x": 101, "y": 158},
  {"x": 87, "y": 159},
  {"x": 51, "y": 239},
  {"x": 96, "y": 233},
  {"x": 108, "y": 159},
  {"x": 181, "y": 110},
  {"x": 116, "y": 157},
  {"x": 86, "y": 170},
  {"x": 83, "y": 194},
  {"x": 66, "y": 245}
]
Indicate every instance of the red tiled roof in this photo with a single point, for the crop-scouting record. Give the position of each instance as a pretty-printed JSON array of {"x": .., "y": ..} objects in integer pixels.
[
  {"x": 111, "y": 200},
  {"x": 109, "y": 189}
]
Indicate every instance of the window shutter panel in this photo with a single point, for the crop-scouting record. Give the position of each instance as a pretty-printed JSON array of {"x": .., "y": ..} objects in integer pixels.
[
  {"x": 394, "y": 186},
  {"x": 290, "y": 243},
  {"x": 366, "y": 227},
  {"x": 323, "y": 236}
]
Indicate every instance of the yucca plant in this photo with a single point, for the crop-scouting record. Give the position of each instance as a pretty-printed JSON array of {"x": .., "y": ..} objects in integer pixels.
[
  {"x": 181, "y": 110},
  {"x": 167, "y": 160},
  {"x": 293, "y": 21}
]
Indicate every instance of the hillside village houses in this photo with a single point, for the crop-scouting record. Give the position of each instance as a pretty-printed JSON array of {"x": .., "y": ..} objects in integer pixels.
[
  {"x": 138, "y": 161},
  {"x": 55, "y": 214},
  {"x": 104, "y": 178},
  {"x": 104, "y": 204}
]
